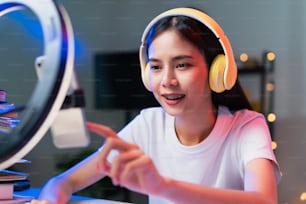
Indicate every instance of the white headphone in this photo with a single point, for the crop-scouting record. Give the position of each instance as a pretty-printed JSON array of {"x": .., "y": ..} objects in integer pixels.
[{"x": 223, "y": 70}]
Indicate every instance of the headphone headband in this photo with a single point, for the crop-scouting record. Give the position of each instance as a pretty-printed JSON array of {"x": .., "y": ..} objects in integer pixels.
[{"x": 208, "y": 22}]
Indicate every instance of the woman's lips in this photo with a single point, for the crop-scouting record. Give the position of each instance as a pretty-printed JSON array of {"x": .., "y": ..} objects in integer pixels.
[{"x": 173, "y": 99}]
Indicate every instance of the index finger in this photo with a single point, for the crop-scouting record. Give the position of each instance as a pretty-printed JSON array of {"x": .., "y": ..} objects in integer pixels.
[{"x": 102, "y": 130}]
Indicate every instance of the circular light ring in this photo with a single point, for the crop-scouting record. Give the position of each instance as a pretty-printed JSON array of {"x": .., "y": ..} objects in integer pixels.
[{"x": 50, "y": 91}]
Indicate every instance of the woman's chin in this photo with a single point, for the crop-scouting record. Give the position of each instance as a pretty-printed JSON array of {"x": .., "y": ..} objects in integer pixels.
[{"x": 172, "y": 111}]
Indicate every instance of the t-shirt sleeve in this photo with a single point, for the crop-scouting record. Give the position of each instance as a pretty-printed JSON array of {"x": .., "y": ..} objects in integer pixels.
[{"x": 256, "y": 143}]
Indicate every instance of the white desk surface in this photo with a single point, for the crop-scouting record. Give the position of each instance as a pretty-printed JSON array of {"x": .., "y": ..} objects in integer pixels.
[{"x": 34, "y": 192}]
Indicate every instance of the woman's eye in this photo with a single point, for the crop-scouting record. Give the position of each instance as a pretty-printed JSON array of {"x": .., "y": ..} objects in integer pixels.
[
  {"x": 154, "y": 67},
  {"x": 182, "y": 65}
]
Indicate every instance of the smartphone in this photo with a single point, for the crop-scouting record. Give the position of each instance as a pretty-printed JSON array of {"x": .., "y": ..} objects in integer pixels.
[{"x": 68, "y": 129}]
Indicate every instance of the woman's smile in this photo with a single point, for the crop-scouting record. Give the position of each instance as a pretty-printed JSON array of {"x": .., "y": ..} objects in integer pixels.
[{"x": 173, "y": 99}]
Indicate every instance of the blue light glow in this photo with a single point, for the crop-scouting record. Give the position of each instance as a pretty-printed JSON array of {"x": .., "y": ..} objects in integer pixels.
[{"x": 28, "y": 21}]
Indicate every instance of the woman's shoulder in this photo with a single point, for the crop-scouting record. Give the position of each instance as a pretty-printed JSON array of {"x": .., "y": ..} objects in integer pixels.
[
  {"x": 246, "y": 125},
  {"x": 242, "y": 116}
]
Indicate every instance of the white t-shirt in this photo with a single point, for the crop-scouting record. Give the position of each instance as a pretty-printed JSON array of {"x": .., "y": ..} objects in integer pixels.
[{"x": 218, "y": 161}]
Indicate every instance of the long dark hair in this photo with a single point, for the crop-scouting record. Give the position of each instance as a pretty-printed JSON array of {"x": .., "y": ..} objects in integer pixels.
[{"x": 201, "y": 37}]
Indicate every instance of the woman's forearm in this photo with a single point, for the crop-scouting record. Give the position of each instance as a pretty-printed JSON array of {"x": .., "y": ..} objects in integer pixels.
[
  {"x": 182, "y": 193},
  {"x": 56, "y": 191},
  {"x": 60, "y": 188}
]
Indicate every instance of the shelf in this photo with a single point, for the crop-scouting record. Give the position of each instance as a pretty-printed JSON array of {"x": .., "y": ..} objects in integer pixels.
[
  {"x": 246, "y": 70},
  {"x": 265, "y": 77}
]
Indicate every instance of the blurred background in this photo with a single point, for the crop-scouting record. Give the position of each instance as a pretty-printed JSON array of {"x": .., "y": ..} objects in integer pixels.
[{"x": 104, "y": 28}]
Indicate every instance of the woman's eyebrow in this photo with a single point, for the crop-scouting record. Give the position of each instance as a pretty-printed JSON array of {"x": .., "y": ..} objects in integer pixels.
[
  {"x": 153, "y": 60},
  {"x": 179, "y": 57}
]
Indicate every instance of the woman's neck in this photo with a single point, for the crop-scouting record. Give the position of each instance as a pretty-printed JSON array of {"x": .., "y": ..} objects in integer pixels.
[{"x": 192, "y": 129}]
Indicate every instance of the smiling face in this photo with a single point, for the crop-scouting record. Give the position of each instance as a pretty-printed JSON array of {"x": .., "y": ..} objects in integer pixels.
[{"x": 178, "y": 75}]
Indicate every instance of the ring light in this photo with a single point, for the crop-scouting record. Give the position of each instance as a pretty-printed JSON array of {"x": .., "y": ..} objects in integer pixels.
[{"x": 50, "y": 91}]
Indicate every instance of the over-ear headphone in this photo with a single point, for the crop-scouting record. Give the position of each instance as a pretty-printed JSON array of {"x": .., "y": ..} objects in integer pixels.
[{"x": 223, "y": 70}]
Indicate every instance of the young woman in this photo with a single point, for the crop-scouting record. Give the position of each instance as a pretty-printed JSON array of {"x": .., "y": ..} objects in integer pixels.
[{"x": 203, "y": 145}]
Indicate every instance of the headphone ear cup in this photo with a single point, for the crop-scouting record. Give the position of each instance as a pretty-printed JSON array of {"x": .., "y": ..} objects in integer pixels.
[
  {"x": 216, "y": 73},
  {"x": 145, "y": 76}
]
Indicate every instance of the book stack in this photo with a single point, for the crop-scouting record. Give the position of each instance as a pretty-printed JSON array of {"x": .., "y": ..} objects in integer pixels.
[
  {"x": 8, "y": 117},
  {"x": 10, "y": 182}
]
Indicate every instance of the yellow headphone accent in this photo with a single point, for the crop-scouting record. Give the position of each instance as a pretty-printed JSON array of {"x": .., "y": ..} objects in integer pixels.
[{"x": 223, "y": 70}]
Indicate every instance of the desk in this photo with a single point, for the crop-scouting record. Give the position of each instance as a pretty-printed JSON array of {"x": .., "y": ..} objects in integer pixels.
[{"x": 34, "y": 192}]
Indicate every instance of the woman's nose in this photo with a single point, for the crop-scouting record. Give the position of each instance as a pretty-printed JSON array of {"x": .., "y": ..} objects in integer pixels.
[{"x": 169, "y": 79}]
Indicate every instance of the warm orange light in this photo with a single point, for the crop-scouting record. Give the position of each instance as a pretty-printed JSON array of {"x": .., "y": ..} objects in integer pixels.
[
  {"x": 271, "y": 117},
  {"x": 244, "y": 57},
  {"x": 303, "y": 196},
  {"x": 269, "y": 86},
  {"x": 270, "y": 56},
  {"x": 274, "y": 145}
]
